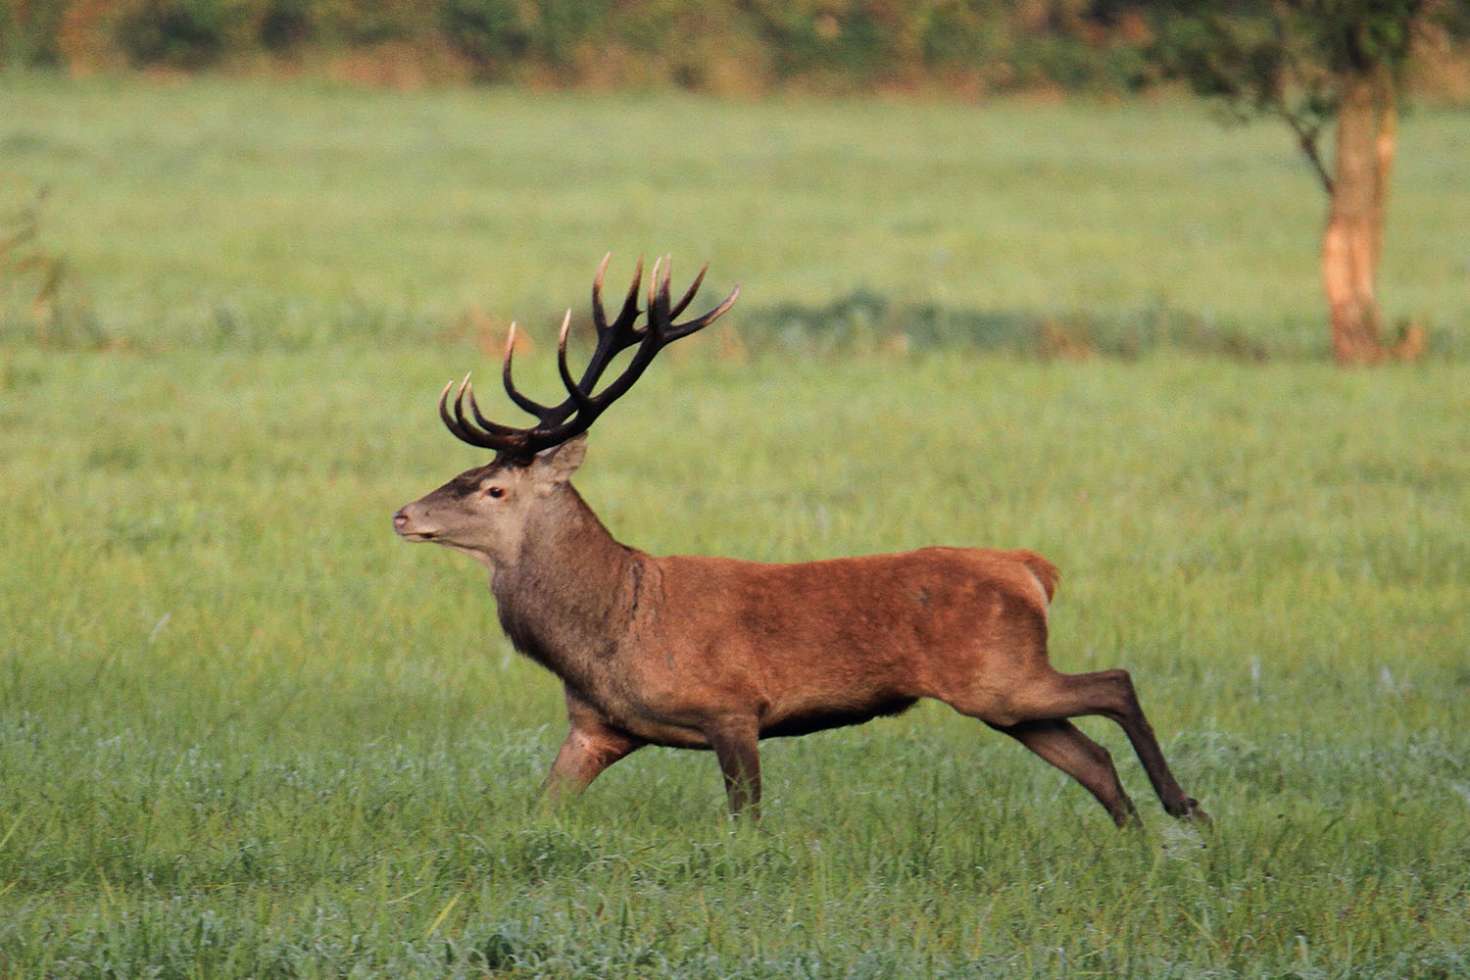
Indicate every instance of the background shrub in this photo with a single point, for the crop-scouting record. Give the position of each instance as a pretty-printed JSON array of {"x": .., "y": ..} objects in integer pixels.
[
  {"x": 711, "y": 45},
  {"x": 490, "y": 33},
  {"x": 180, "y": 33}
]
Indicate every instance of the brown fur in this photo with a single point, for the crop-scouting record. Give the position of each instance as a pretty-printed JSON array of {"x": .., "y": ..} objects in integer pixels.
[{"x": 713, "y": 653}]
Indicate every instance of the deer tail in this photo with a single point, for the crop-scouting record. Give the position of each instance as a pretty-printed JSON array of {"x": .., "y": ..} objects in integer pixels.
[{"x": 1046, "y": 573}]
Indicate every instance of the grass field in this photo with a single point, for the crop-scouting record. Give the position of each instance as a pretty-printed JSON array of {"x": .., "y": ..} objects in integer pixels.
[
  {"x": 243, "y": 730},
  {"x": 233, "y": 215}
]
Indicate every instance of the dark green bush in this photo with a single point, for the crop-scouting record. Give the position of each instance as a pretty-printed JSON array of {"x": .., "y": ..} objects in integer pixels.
[
  {"x": 957, "y": 35},
  {"x": 1078, "y": 67},
  {"x": 562, "y": 26},
  {"x": 285, "y": 25},
  {"x": 847, "y": 41},
  {"x": 179, "y": 33},
  {"x": 490, "y": 33},
  {"x": 366, "y": 22}
]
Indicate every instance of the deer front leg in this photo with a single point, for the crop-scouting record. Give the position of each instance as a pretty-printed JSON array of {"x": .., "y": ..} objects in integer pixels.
[
  {"x": 590, "y": 747},
  {"x": 736, "y": 745}
]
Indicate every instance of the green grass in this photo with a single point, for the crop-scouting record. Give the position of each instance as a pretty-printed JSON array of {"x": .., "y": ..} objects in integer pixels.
[
  {"x": 244, "y": 731},
  {"x": 260, "y": 216}
]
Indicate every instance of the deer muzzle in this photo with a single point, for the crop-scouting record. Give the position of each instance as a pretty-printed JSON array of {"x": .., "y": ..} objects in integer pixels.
[{"x": 409, "y": 527}]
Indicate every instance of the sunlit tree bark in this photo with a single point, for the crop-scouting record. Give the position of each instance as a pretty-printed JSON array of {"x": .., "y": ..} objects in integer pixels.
[{"x": 1352, "y": 240}]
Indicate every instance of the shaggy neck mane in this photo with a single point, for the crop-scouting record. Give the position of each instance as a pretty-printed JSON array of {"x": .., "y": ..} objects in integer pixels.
[{"x": 569, "y": 595}]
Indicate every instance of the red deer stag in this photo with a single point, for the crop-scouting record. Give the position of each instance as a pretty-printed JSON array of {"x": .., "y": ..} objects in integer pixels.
[{"x": 713, "y": 653}]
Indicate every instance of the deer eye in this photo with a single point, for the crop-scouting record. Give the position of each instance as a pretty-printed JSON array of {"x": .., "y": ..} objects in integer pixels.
[{"x": 495, "y": 492}]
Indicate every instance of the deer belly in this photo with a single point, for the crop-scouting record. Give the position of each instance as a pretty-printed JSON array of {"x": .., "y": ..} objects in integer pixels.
[
  {"x": 807, "y": 719},
  {"x": 655, "y": 731}
]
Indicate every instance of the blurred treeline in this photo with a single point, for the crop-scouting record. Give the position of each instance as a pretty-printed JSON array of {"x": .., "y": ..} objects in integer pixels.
[{"x": 968, "y": 47}]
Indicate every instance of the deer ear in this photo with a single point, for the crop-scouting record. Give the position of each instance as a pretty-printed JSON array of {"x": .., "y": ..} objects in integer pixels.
[{"x": 557, "y": 464}]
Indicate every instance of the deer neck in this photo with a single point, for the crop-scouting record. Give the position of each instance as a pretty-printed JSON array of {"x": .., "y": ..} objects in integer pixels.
[{"x": 567, "y": 598}]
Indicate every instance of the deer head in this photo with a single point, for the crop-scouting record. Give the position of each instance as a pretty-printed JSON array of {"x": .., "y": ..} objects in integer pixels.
[{"x": 485, "y": 512}]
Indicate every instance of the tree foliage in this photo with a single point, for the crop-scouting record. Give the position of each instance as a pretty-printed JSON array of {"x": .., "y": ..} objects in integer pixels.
[
  {"x": 1315, "y": 64},
  {"x": 1287, "y": 58}
]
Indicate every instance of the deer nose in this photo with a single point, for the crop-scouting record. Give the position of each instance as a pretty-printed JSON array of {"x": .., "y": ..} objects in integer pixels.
[{"x": 400, "y": 520}]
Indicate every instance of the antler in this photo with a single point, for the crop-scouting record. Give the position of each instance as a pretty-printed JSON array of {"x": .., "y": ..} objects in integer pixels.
[{"x": 558, "y": 423}]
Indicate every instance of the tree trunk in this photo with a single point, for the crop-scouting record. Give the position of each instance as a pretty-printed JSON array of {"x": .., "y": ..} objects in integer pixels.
[
  {"x": 1386, "y": 102},
  {"x": 1354, "y": 233}
]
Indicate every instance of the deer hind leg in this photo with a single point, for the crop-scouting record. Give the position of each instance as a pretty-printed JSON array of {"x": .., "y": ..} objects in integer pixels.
[
  {"x": 1110, "y": 693},
  {"x": 1052, "y": 696},
  {"x": 1064, "y": 746}
]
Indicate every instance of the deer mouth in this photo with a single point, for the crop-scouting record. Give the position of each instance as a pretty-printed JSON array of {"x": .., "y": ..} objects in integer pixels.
[{"x": 403, "y": 526}]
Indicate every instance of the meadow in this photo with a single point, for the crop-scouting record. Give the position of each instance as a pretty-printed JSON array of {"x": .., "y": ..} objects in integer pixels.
[{"x": 245, "y": 731}]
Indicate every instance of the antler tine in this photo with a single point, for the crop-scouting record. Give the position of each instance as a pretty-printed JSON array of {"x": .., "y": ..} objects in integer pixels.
[
  {"x": 653, "y": 280},
  {"x": 578, "y": 395},
  {"x": 668, "y": 284},
  {"x": 463, "y": 431},
  {"x": 448, "y": 420},
  {"x": 459, "y": 418},
  {"x": 493, "y": 428},
  {"x": 659, "y": 317},
  {"x": 599, "y": 315},
  {"x": 688, "y": 296},
  {"x": 623, "y": 326},
  {"x": 704, "y": 320},
  {"x": 530, "y": 405}
]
